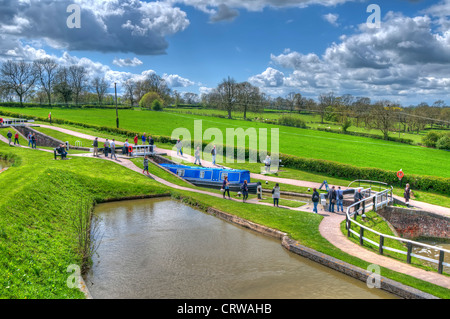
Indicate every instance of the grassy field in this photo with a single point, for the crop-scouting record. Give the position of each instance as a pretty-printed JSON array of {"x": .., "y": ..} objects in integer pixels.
[
  {"x": 312, "y": 120},
  {"x": 357, "y": 151}
]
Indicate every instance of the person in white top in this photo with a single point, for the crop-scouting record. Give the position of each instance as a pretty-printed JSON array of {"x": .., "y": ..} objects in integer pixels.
[
  {"x": 276, "y": 194},
  {"x": 267, "y": 163},
  {"x": 113, "y": 149}
]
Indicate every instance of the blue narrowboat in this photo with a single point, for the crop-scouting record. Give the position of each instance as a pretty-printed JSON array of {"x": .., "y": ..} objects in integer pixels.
[{"x": 212, "y": 177}]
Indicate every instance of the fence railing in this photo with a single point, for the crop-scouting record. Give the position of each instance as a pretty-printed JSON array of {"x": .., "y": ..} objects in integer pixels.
[
  {"x": 15, "y": 122},
  {"x": 377, "y": 200}
]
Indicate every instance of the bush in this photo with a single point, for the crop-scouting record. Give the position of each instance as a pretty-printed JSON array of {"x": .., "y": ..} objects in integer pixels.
[
  {"x": 288, "y": 120},
  {"x": 444, "y": 142},
  {"x": 431, "y": 138},
  {"x": 157, "y": 105},
  {"x": 148, "y": 98}
]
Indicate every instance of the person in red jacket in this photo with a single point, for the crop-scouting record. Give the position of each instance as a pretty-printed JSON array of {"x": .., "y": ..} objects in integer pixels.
[
  {"x": 135, "y": 140},
  {"x": 1, "y": 121},
  {"x": 16, "y": 138}
]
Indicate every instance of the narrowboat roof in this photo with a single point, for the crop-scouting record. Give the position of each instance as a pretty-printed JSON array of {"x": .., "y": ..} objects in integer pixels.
[{"x": 203, "y": 168}]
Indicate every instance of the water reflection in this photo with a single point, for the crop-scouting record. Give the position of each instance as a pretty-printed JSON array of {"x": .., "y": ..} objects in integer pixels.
[{"x": 161, "y": 248}]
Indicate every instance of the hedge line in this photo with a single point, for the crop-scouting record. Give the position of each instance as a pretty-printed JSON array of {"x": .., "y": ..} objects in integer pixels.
[
  {"x": 419, "y": 182},
  {"x": 379, "y": 137},
  {"x": 326, "y": 167},
  {"x": 61, "y": 106}
]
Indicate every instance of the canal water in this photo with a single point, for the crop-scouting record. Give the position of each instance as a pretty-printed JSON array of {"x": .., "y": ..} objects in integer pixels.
[{"x": 161, "y": 248}]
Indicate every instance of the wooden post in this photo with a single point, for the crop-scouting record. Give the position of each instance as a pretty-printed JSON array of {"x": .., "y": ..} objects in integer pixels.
[
  {"x": 441, "y": 260},
  {"x": 380, "y": 249},
  {"x": 349, "y": 225},
  {"x": 361, "y": 234},
  {"x": 408, "y": 255}
]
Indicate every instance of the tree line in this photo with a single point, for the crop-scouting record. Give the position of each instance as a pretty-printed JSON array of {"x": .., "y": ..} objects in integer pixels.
[{"x": 44, "y": 81}]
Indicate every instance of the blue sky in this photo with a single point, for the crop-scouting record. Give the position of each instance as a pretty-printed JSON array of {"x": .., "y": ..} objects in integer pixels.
[{"x": 306, "y": 46}]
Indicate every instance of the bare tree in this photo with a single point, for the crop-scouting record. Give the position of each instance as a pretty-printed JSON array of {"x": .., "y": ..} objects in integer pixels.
[
  {"x": 18, "y": 76},
  {"x": 325, "y": 101},
  {"x": 227, "y": 94},
  {"x": 100, "y": 87},
  {"x": 78, "y": 80},
  {"x": 247, "y": 96},
  {"x": 384, "y": 115},
  {"x": 45, "y": 71},
  {"x": 62, "y": 84},
  {"x": 191, "y": 98},
  {"x": 130, "y": 87}
]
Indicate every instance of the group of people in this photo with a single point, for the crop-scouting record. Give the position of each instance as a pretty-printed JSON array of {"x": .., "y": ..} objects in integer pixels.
[
  {"x": 109, "y": 146},
  {"x": 145, "y": 139},
  {"x": 31, "y": 137}
]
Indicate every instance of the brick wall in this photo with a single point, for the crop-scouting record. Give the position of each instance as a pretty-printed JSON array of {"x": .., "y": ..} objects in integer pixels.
[
  {"x": 41, "y": 139},
  {"x": 413, "y": 223}
]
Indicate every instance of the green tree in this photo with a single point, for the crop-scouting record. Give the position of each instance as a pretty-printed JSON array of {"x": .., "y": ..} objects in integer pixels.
[{"x": 148, "y": 99}]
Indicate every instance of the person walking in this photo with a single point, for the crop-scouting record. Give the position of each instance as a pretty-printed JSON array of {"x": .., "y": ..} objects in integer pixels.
[
  {"x": 143, "y": 139},
  {"x": 179, "y": 147},
  {"x": 33, "y": 140},
  {"x": 125, "y": 147},
  {"x": 9, "y": 135},
  {"x": 136, "y": 140},
  {"x": 113, "y": 149},
  {"x": 213, "y": 153},
  {"x": 244, "y": 189},
  {"x": 276, "y": 195},
  {"x": 332, "y": 199},
  {"x": 29, "y": 136},
  {"x": 197, "y": 156},
  {"x": 106, "y": 147},
  {"x": 145, "y": 165},
  {"x": 226, "y": 187},
  {"x": 357, "y": 198},
  {"x": 340, "y": 199},
  {"x": 315, "y": 199},
  {"x": 407, "y": 194},
  {"x": 95, "y": 145},
  {"x": 16, "y": 138},
  {"x": 267, "y": 163},
  {"x": 151, "y": 142},
  {"x": 1, "y": 121},
  {"x": 50, "y": 117}
]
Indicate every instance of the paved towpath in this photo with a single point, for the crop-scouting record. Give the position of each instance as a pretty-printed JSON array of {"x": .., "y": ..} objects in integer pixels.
[{"x": 329, "y": 227}]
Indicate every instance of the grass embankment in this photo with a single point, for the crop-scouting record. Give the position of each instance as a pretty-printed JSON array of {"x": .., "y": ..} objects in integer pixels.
[
  {"x": 353, "y": 150},
  {"x": 39, "y": 199}
]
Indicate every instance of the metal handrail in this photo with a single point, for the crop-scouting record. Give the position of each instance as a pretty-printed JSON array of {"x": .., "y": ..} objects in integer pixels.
[{"x": 381, "y": 246}]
